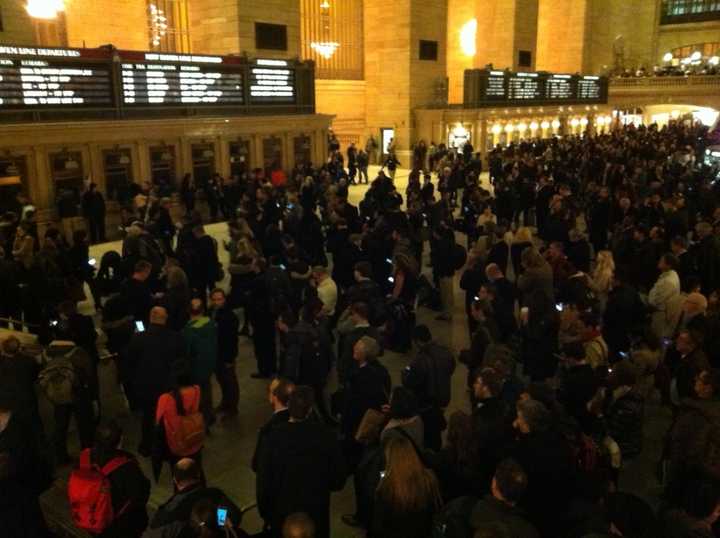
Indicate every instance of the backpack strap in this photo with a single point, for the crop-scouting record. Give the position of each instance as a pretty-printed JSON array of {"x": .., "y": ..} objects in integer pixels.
[
  {"x": 114, "y": 464},
  {"x": 85, "y": 461},
  {"x": 179, "y": 406}
]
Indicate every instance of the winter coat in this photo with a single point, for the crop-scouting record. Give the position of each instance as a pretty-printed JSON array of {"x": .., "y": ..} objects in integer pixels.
[
  {"x": 624, "y": 419},
  {"x": 202, "y": 345}
]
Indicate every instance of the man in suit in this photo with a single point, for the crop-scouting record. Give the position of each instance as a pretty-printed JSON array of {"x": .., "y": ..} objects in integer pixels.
[
  {"x": 298, "y": 468},
  {"x": 153, "y": 354},
  {"x": 279, "y": 393}
]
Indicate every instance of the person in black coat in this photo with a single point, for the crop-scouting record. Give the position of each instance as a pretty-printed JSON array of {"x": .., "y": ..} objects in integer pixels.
[
  {"x": 298, "y": 467},
  {"x": 20, "y": 480},
  {"x": 227, "y": 349},
  {"x": 190, "y": 489},
  {"x": 623, "y": 312},
  {"x": 546, "y": 457},
  {"x": 203, "y": 270},
  {"x": 262, "y": 319},
  {"x": 129, "y": 488},
  {"x": 136, "y": 294},
  {"x": 154, "y": 354},
  {"x": 599, "y": 220},
  {"x": 492, "y": 420},
  {"x": 93, "y": 209},
  {"x": 279, "y": 393},
  {"x": 707, "y": 256}
]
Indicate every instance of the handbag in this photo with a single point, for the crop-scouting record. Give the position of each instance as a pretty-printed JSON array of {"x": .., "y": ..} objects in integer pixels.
[{"x": 370, "y": 427}]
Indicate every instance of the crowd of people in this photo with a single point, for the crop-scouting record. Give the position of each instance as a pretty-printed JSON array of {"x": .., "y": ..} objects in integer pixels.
[{"x": 591, "y": 275}]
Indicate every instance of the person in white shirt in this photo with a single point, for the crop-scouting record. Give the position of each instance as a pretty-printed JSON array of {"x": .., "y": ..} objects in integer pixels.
[
  {"x": 665, "y": 296},
  {"x": 326, "y": 290}
]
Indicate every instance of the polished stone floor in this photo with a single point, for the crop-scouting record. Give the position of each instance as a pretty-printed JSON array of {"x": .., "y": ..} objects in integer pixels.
[{"x": 228, "y": 451}]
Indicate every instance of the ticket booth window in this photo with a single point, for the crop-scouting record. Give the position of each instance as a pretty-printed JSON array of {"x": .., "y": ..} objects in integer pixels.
[
  {"x": 303, "y": 150},
  {"x": 239, "y": 158},
  {"x": 163, "y": 169},
  {"x": 13, "y": 180},
  {"x": 118, "y": 175},
  {"x": 66, "y": 170},
  {"x": 272, "y": 154},
  {"x": 203, "y": 163}
]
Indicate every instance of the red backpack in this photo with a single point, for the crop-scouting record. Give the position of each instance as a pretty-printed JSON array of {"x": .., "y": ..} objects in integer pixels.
[{"x": 90, "y": 494}]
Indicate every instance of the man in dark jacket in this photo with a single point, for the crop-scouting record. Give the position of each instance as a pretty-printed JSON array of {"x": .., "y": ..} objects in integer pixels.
[
  {"x": 429, "y": 376},
  {"x": 442, "y": 246},
  {"x": 298, "y": 468},
  {"x": 279, "y": 393},
  {"x": 707, "y": 257},
  {"x": 203, "y": 270},
  {"x": 93, "y": 208},
  {"x": 351, "y": 328},
  {"x": 492, "y": 419},
  {"x": 368, "y": 387},
  {"x": 136, "y": 292},
  {"x": 262, "y": 319},
  {"x": 507, "y": 490},
  {"x": 153, "y": 354},
  {"x": 18, "y": 375},
  {"x": 172, "y": 517},
  {"x": 227, "y": 325}
]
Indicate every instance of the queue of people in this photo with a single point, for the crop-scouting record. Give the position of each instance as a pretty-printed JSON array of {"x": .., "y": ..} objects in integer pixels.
[{"x": 591, "y": 272}]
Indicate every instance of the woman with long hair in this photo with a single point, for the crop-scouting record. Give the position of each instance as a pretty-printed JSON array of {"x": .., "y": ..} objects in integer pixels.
[
  {"x": 521, "y": 241},
  {"x": 408, "y": 495},
  {"x": 602, "y": 276}
]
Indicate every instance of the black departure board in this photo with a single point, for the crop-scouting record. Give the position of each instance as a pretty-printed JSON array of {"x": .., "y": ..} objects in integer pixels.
[
  {"x": 50, "y": 84},
  {"x": 272, "y": 81},
  {"x": 52, "y": 78},
  {"x": 181, "y": 79},
  {"x": 492, "y": 87}
]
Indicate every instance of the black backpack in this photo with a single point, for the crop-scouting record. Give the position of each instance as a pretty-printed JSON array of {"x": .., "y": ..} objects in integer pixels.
[
  {"x": 459, "y": 257},
  {"x": 454, "y": 519}
]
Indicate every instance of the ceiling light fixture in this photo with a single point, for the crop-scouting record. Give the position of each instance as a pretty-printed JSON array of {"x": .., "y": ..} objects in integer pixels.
[{"x": 44, "y": 9}]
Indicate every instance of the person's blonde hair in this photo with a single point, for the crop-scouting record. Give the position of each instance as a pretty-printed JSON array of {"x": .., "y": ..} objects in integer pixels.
[
  {"x": 523, "y": 235},
  {"x": 407, "y": 484},
  {"x": 604, "y": 270},
  {"x": 531, "y": 258}
]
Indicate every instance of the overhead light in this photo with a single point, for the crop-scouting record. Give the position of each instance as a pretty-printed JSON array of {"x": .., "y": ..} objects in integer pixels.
[
  {"x": 325, "y": 48},
  {"x": 600, "y": 120},
  {"x": 574, "y": 122},
  {"x": 522, "y": 127},
  {"x": 468, "y": 34},
  {"x": 555, "y": 124},
  {"x": 715, "y": 60},
  {"x": 44, "y": 9},
  {"x": 667, "y": 57},
  {"x": 583, "y": 121},
  {"x": 71, "y": 164},
  {"x": 325, "y": 5},
  {"x": 509, "y": 128},
  {"x": 124, "y": 159},
  {"x": 533, "y": 125},
  {"x": 545, "y": 124},
  {"x": 496, "y": 128},
  {"x": 695, "y": 56}
]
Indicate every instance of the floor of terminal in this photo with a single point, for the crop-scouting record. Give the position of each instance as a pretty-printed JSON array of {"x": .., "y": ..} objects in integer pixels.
[{"x": 228, "y": 451}]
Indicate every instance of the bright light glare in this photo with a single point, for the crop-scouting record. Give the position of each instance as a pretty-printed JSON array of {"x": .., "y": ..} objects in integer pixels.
[
  {"x": 545, "y": 124},
  {"x": 496, "y": 128},
  {"x": 45, "y": 9},
  {"x": 695, "y": 56},
  {"x": 715, "y": 60},
  {"x": 668, "y": 57},
  {"x": 467, "y": 37}
]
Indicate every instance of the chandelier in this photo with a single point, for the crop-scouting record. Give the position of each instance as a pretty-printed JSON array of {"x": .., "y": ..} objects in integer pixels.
[
  {"x": 44, "y": 9},
  {"x": 158, "y": 24},
  {"x": 325, "y": 48}
]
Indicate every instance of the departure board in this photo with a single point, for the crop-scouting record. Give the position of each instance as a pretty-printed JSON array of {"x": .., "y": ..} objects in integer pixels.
[
  {"x": 524, "y": 87},
  {"x": 589, "y": 88},
  {"x": 57, "y": 78},
  {"x": 181, "y": 79},
  {"x": 496, "y": 88},
  {"x": 272, "y": 81},
  {"x": 559, "y": 87},
  {"x": 489, "y": 87},
  {"x": 50, "y": 84}
]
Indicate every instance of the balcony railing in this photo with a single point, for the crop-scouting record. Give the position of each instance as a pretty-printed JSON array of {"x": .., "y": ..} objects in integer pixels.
[{"x": 696, "y": 81}]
